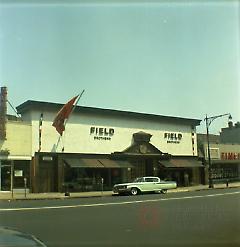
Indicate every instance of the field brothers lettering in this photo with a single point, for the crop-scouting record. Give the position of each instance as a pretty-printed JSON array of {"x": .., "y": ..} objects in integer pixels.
[
  {"x": 102, "y": 133},
  {"x": 173, "y": 137}
]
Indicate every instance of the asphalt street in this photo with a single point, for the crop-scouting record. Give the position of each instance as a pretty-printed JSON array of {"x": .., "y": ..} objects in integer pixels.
[{"x": 200, "y": 218}]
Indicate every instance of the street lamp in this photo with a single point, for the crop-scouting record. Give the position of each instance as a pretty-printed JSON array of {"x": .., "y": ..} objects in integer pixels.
[{"x": 209, "y": 120}]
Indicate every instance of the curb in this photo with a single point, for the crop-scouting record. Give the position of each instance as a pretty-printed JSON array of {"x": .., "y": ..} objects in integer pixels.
[{"x": 63, "y": 197}]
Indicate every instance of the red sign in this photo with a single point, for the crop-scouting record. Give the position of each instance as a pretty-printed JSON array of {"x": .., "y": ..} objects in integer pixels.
[{"x": 230, "y": 156}]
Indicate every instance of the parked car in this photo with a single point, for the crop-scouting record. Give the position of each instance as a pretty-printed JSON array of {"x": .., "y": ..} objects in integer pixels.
[
  {"x": 13, "y": 237},
  {"x": 144, "y": 184}
]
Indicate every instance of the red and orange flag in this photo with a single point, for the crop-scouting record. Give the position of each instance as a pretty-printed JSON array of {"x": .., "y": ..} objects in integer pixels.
[{"x": 63, "y": 114}]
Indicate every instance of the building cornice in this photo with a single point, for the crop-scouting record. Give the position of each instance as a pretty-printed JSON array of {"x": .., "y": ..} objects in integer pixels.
[{"x": 46, "y": 106}]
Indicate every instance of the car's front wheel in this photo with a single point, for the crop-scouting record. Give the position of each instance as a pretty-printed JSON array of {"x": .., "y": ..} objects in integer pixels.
[
  {"x": 164, "y": 191},
  {"x": 134, "y": 191}
]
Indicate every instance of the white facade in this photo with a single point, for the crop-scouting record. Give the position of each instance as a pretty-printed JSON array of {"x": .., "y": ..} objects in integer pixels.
[
  {"x": 18, "y": 142},
  {"x": 17, "y": 147},
  {"x": 108, "y": 133}
]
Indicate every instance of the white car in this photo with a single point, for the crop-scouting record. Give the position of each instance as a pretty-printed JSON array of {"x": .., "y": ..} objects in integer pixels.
[{"x": 144, "y": 184}]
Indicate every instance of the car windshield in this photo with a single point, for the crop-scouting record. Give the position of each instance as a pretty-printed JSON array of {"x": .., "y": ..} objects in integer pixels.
[{"x": 138, "y": 180}]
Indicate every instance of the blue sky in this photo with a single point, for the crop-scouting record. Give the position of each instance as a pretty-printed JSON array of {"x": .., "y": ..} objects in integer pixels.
[{"x": 174, "y": 58}]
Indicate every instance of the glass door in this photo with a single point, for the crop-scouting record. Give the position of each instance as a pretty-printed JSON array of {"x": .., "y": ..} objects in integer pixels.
[{"x": 6, "y": 178}]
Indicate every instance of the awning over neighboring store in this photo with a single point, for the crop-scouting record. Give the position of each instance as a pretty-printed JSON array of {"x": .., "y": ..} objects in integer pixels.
[
  {"x": 97, "y": 163},
  {"x": 225, "y": 162},
  {"x": 181, "y": 163}
]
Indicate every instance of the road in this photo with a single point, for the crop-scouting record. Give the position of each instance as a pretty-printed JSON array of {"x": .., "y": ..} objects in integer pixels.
[{"x": 200, "y": 218}]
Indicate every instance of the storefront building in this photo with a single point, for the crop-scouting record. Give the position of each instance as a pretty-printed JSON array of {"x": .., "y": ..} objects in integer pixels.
[
  {"x": 225, "y": 158},
  {"x": 112, "y": 145},
  {"x": 231, "y": 134},
  {"x": 15, "y": 156},
  {"x": 15, "y": 149}
]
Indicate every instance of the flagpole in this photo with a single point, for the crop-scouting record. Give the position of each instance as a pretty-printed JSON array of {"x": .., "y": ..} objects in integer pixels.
[
  {"x": 69, "y": 117},
  {"x": 74, "y": 106},
  {"x": 40, "y": 133},
  {"x": 77, "y": 101}
]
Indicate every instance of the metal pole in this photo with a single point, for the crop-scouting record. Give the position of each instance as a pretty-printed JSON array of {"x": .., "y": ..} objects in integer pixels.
[
  {"x": 209, "y": 156},
  {"x": 25, "y": 187},
  {"x": 0, "y": 175},
  {"x": 75, "y": 105},
  {"x": 65, "y": 122},
  {"x": 12, "y": 170},
  {"x": 102, "y": 185},
  {"x": 208, "y": 122}
]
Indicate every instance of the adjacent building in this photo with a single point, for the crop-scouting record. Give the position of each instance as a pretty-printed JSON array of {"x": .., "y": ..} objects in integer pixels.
[
  {"x": 224, "y": 153},
  {"x": 15, "y": 149},
  {"x": 231, "y": 134}
]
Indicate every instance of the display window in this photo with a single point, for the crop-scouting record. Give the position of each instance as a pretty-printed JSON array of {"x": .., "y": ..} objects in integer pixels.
[{"x": 21, "y": 172}]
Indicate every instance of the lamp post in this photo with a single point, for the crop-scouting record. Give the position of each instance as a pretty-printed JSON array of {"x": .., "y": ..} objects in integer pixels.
[{"x": 209, "y": 120}]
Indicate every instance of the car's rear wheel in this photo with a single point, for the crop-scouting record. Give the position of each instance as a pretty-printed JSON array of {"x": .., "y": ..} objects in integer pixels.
[
  {"x": 134, "y": 191},
  {"x": 164, "y": 191}
]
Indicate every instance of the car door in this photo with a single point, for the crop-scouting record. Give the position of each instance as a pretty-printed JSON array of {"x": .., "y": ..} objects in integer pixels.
[
  {"x": 158, "y": 184},
  {"x": 141, "y": 184},
  {"x": 150, "y": 184},
  {"x": 165, "y": 185}
]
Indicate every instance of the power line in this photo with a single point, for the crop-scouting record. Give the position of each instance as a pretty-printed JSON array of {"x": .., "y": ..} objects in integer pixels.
[{"x": 13, "y": 108}]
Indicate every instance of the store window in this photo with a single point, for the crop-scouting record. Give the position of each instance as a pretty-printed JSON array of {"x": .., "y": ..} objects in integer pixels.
[
  {"x": 21, "y": 171},
  {"x": 90, "y": 179},
  {"x": 225, "y": 172}
]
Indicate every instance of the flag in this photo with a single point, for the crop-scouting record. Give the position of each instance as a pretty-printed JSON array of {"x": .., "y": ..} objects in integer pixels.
[{"x": 63, "y": 114}]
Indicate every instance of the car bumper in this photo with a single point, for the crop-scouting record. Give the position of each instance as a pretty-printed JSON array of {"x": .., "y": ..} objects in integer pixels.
[{"x": 121, "y": 190}]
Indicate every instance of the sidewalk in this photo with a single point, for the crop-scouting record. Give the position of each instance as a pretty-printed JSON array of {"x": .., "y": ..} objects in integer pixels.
[{"x": 42, "y": 196}]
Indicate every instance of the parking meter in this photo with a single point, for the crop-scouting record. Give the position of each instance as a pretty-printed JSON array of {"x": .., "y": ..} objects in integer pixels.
[
  {"x": 102, "y": 180},
  {"x": 25, "y": 186}
]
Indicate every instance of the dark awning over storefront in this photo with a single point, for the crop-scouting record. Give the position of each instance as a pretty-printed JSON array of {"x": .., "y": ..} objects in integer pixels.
[
  {"x": 97, "y": 163},
  {"x": 107, "y": 163},
  {"x": 181, "y": 163},
  {"x": 225, "y": 162},
  {"x": 84, "y": 163}
]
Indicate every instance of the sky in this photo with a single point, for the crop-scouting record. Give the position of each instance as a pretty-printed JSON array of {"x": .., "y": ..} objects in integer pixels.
[{"x": 172, "y": 58}]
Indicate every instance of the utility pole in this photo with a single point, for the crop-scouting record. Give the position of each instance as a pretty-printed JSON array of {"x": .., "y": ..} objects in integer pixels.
[{"x": 209, "y": 120}]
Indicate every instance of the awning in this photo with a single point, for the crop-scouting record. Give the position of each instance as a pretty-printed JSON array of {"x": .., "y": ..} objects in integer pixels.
[
  {"x": 107, "y": 163},
  {"x": 97, "y": 163},
  {"x": 181, "y": 163},
  {"x": 84, "y": 163},
  {"x": 225, "y": 162}
]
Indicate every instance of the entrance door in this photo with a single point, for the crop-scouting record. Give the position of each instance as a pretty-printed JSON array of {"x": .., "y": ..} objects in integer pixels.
[
  {"x": 149, "y": 167},
  {"x": 47, "y": 179},
  {"x": 6, "y": 178}
]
